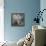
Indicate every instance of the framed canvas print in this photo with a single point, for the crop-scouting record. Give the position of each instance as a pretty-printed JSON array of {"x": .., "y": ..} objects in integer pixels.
[{"x": 17, "y": 19}]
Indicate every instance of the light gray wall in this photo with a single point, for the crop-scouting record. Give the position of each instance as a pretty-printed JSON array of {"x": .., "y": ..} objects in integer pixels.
[
  {"x": 29, "y": 7},
  {"x": 43, "y": 6}
]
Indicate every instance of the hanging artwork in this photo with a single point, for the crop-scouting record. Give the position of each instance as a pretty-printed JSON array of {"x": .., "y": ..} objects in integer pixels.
[{"x": 17, "y": 19}]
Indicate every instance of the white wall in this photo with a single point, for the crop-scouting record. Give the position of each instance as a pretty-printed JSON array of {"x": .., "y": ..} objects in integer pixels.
[{"x": 1, "y": 21}]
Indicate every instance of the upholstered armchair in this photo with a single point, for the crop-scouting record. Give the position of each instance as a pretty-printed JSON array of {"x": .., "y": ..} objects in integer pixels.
[{"x": 39, "y": 33}]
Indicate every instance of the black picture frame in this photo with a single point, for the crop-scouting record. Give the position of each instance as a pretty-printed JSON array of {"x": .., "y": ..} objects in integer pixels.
[{"x": 17, "y": 19}]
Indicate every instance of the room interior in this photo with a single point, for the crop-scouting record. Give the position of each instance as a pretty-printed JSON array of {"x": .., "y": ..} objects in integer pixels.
[{"x": 15, "y": 34}]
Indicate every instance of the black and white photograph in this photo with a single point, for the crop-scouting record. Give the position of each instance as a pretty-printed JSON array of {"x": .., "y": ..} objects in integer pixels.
[{"x": 17, "y": 19}]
